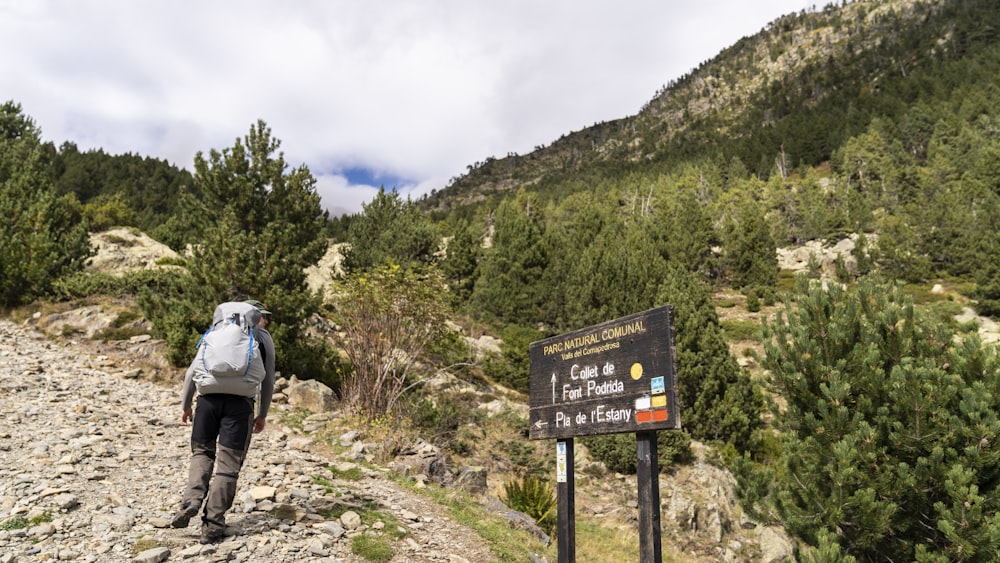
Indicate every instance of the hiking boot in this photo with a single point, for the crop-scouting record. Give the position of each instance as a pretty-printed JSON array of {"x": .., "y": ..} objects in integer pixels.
[
  {"x": 183, "y": 516},
  {"x": 211, "y": 535}
]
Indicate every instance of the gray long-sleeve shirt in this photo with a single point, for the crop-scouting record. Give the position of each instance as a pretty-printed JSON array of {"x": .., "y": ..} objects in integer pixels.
[{"x": 266, "y": 344}]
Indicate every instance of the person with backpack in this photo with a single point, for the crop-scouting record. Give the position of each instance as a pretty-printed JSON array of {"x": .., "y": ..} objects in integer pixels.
[{"x": 234, "y": 364}]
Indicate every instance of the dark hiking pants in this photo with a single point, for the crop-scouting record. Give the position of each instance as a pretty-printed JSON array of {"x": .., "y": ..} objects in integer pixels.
[{"x": 220, "y": 438}]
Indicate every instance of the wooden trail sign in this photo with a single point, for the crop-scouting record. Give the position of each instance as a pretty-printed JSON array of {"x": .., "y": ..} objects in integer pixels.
[{"x": 618, "y": 376}]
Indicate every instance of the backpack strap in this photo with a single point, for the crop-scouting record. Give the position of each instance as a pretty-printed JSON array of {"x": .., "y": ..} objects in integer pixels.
[
  {"x": 203, "y": 335},
  {"x": 249, "y": 354}
]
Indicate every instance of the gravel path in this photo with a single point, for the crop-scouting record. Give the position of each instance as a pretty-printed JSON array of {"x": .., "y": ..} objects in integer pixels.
[{"x": 92, "y": 465}]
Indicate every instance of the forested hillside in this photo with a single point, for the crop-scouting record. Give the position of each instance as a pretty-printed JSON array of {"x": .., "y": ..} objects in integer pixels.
[
  {"x": 871, "y": 431},
  {"x": 869, "y": 117}
]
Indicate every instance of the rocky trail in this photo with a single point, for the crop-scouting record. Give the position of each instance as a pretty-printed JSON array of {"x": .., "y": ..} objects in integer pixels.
[{"x": 92, "y": 465}]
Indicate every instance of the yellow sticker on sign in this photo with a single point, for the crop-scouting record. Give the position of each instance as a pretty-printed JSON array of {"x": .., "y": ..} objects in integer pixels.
[{"x": 636, "y": 371}]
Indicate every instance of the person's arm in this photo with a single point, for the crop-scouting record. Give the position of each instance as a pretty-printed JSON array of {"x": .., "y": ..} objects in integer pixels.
[
  {"x": 187, "y": 395},
  {"x": 267, "y": 385}
]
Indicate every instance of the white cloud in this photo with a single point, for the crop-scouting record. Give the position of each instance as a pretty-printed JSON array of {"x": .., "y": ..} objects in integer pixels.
[{"x": 413, "y": 90}]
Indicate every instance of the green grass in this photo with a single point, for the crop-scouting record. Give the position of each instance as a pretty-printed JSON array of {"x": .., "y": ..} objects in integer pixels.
[
  {"x": 143, "y": 544},
  {"x": 372, "y": 548},
  {"x": 352, "y": 474},
  {"x": 741, "y": 330},
  {"x": 15, "y": 523},
  {"x": 506, "y": 543},
  {"x": 323, "y": 482}
]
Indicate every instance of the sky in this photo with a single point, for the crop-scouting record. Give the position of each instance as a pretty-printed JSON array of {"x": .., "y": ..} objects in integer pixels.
[{"x": 403, "y": 94}]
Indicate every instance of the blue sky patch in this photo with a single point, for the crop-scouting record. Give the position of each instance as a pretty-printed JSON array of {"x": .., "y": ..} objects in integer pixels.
[{"x": 369, "y": 177}]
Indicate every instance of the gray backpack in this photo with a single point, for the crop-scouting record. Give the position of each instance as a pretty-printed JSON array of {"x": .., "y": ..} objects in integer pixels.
[{"x": 229, "y": 358}]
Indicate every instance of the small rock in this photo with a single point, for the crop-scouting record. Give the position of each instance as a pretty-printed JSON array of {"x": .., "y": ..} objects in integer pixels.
[
  {"x": 350, "y": 520},
  {"x": 155, "y": 555}
]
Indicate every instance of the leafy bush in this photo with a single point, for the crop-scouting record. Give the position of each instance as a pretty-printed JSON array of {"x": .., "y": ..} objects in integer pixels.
[
  {"x": 390, "y": 316},
  {"x": 105, "y": 212},
  {"x": 439, "y": 419},
  {"x": 534, "y": 497},
  {"x": 131, "y": 283}
]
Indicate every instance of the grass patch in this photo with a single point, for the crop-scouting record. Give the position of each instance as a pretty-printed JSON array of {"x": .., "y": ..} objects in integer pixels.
[
  {"x": 352, "y": 474},
  {"x": 121, "y": 241},
  {"x": 372, "y": 548},
  {"x": 325, "y": 483},
  {"x": 922, "y": 294},
  {"x": 370, "y": 513},
  {"x": 741, "y": 330},
  {"x": 605, "y": 545},
  {"x": 15, "y": 523},
  {"x": 785, "y": 281},
  {"x": 946, "y": 311},
  {"x": 534, "y": 497},
  {"x": 43, "y": 517},
  {"x": 143, "y": 544},
  {"x": 294, "y": 417},
  {"x": 119, "y": 329},
  {"x": 596, "y": 543},
  {"x": 171, "y": 261},
  {"x": 506, "y": 543},
  {"x": 70, "y": 331}
]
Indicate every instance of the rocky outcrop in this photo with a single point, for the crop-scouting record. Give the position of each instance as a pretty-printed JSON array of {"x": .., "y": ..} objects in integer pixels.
[
  {"x": 700, "y": 508},
  {"x": 124, "y": 249}
]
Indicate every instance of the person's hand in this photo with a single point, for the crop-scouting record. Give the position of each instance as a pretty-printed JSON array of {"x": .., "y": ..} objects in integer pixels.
[
  {"x": 258, "y": 424},
  {"x": 186, "y": 417}
]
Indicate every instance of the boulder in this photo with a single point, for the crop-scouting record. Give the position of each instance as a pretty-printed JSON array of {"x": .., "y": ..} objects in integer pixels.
[
  {"x": 422, "y": 458},
  {"x": 310, "y": 395},
  {"x": 472, "y": 480}
]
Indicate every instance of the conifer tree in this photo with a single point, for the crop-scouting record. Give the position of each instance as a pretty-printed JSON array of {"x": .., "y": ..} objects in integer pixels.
[
  {"x": 686, "y": 235},
  {"x": 617, "y": 274},
  {"x": 719, "y": 402},
  {"x": 508, "y": 288},
  {"x": 571, "y": 226},
  {"x": 751, "y": 253},
  {"x": 43, "y": 236},
  {"x": 461, "y": 259},
  {"x": 389, "y": 230},
  {"x": 888, "y": 424},
  {"x": 262, "y": 225}
]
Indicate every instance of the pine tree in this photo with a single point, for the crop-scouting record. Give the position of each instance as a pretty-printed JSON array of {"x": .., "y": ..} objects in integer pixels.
[
  {"x": 508, "y": 288},
  {"x": 751, "y": 253},
  {"x": 43, "y": 236},
  {"x": 262, "y": 225},
  {"x": 461, "y": 260},
  {"x": 888, "y": 425},
  {"x": 719, "y": 402},
  {"x": 617, "y": 274},
  {"x": 389, "y": 230}
]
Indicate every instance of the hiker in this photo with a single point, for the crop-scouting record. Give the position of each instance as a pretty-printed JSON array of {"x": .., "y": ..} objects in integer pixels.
[{"x": 224, "y": 418}]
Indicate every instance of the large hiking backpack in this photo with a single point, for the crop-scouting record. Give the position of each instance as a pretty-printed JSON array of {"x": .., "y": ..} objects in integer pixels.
[{"x": 229, "y": 359}]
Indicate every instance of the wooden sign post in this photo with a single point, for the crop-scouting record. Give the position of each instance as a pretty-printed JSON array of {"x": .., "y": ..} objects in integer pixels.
[{"x": 615, "y": 377}]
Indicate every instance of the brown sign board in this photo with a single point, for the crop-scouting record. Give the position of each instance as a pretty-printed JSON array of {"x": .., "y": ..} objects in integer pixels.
[{"x": 618, "y": 376}]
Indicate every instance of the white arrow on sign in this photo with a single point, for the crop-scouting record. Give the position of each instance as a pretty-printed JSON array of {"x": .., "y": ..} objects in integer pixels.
[
  {"x": 553, "y": 388},
  {"x": 539, "y": 424}
]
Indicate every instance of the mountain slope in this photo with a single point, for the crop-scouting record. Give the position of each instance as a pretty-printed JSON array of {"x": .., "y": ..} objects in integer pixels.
[{"x": 794, "y": 93}]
